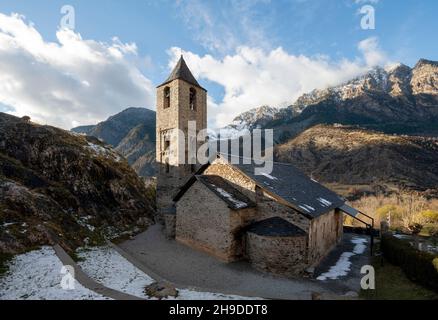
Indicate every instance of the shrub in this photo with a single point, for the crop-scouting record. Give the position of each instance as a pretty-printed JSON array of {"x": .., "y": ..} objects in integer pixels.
[
  {"x": 421, "y": 267},
  {"x": 393, "y": 211},
  {"x": 435, "y": 264},
  {"x": 4, "y": 259},
  {"x": 430, "y": 216}
]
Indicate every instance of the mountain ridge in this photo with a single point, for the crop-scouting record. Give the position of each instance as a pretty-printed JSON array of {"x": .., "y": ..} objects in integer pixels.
[
  {"x": 130, "y": 132},
  {"x": 382, "y": 99},
  {"x": 372, "y": 158}
]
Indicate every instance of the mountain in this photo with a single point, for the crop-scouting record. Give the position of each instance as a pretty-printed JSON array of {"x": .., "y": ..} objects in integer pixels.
[
  {"x": 249, "y": 120},
  {"x": 132, "y": 133},
  {"x": 399, "y": 99},
  {"x": 61, "y": 187},
  {"x": 349, "y": 155}
]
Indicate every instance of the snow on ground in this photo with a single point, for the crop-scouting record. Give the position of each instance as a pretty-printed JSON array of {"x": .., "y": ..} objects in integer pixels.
[
  {"x": 343, "y": 265},
  {"x": 108, "y": 267},
  {"x": 36, "y": 275},
  {"x": 360, "y": 245},
  {"x": 102, "y": 151}
]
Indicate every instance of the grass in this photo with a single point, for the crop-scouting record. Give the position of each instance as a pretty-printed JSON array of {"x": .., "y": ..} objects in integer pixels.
[
  {"x": 392, "y": 284},
  {"x": 75, "y": 257},
  {"x": 4, "y": 259}
]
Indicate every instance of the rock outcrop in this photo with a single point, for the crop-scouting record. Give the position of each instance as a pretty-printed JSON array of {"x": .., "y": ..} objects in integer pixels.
[{"x": 57, "y": 186}]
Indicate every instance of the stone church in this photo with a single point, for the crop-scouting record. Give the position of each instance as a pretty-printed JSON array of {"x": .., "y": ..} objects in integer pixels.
[{"x": 282, "y": 222}]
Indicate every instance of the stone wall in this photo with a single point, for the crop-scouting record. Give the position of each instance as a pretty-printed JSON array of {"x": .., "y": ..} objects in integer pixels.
[
  {"x": 268, "y": 207},
  {"x": 325, "y": 233},
  {"x": 284, "y": 256},
  {"x": 205, "y": 223},
  {"x": 239, "y": 181}
]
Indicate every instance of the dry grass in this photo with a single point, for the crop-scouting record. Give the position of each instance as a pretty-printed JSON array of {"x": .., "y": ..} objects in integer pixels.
[{"x": 401, "y": 209}]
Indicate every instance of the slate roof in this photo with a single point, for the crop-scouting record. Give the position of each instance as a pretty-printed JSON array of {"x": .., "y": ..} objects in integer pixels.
[
  {"x": 275, "y": 227},
  {"x": 233, "y": 197},
  {"x": 182, "y": 72},
  {"x": 289, "y": 183},
  {"x": 285, "y": 181}
]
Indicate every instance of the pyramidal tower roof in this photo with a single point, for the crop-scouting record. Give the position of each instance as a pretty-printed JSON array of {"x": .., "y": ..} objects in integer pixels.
[{"x": 182, "y": 72}]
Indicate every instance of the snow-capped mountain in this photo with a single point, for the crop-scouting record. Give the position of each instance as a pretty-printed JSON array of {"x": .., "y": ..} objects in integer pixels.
[
  {"x": 396, "y": 99},
  {"x": 393, "y": 80},
  {"x": 247, "y": 121}
]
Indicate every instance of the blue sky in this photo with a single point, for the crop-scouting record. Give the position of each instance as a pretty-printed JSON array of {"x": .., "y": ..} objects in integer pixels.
[{"x": 323, "y": 31}]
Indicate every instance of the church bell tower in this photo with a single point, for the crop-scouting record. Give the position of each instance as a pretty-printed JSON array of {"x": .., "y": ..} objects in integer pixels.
[{"x": 180, "y": 99}]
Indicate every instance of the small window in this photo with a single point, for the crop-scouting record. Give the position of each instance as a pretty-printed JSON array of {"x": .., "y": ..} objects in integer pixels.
[
  {"x": 166, "y": 145},
  {"x": 167, "y": 167},
  {"x": 192, "y": 99},
  {"x": 166, "y": 97}
]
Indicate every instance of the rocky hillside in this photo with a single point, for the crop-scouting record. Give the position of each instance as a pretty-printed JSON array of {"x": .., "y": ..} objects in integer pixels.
[
  {"x": 352, "y": 156},
  {"x": 56, "y": 186},
  {"x": 132, "y": 133},
  {"x": 399, "y": 99}
]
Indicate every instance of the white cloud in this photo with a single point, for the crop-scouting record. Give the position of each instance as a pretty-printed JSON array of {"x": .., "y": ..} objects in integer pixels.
[
  {"x": 221, "y": 28},
  {"x": 372, "y": 54},
  {"x": 70, "y": 82},
  {"x": 252, "y": 77}
]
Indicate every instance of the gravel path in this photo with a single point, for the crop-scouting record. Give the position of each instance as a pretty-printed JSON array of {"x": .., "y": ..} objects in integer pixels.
[{"x": 185, "y": 267}]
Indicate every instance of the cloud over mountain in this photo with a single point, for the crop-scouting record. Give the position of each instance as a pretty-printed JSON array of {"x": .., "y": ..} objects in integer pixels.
[
  {"x": 252, "y": 77},
  {"x": 69, "y": 82}
]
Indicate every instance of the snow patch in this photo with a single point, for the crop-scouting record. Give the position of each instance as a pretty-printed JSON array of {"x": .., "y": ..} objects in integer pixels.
[
  {"x": 269, "y": 176},
  {"x": 36, "y": 275},
  {"x": 360, "y": 245},
  {"x": 307, "y": 208},
  {"x": 8, "y": 224},
  {"x": 343, "y": 265},
  {"x": 83, "y": 221},
  {"x": 341, "y": 268},
  {"x": 324, "y": 202},
  {"x": 102, "y": 151},
  {"x": 239, "y": 204},
  {"x": 108, "y": 267}
]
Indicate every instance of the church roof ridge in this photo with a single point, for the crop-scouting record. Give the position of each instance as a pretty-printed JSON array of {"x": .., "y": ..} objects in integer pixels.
[{"x": 182, "y": 72}]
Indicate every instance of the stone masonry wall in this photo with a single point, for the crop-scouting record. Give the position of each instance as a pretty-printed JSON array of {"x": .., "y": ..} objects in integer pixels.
[
  {"x": 324, "y": 234},
  {"x": 284, "y": 256},
  {"x": 205, "y": 223}
]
